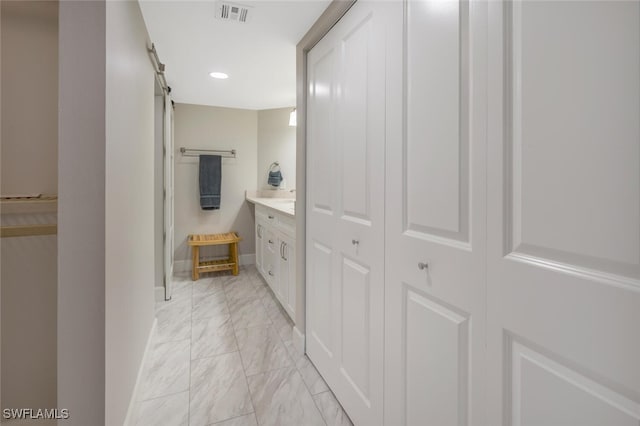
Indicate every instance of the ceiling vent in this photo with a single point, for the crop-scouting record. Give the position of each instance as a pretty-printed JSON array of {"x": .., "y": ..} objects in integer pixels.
[{"x": 233, "y": 12}]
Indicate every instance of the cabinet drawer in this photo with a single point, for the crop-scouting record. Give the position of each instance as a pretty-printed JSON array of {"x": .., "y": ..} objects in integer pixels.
[
  {"x": 261, "y": 211},
  {"x": 286, "y": 224}
]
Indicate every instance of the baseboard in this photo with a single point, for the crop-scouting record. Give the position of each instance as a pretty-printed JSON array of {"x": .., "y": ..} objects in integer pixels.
[
  {"x": 133, "y": 403},
  {"x": 298, "y": 340},
  {"x": 247, "y": 259},
  {"x": 185, "y": 265},
  {"x": 181, "y": 266},
  {"x": 159, "y": 294}
]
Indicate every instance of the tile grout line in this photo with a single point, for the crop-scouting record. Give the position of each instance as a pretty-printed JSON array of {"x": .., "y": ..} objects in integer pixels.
[
  {"x": 226, "y": 301},
  {"x": 270, "y": 371},
  {"x": 295, "y": 366},
  {"x": 244, "y": 371},
  {"x": 230, "y": 418},
  {"x": 269, "y": 293},
  {"x": 190, "y": 360},
  {"x": 255, "y": 293},
  {"x": 161, "y": 396}
]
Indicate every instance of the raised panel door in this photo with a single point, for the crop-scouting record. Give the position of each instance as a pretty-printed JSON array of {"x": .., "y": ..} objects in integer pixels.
[
  {"x": 435, "y": 218},
  {"x": 564, "y": 213},
  {"x": 345, "y": 208}
]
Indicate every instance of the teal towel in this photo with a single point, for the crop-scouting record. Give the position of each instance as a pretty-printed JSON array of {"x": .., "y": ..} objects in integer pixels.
[{"x": 210, "y": 181}]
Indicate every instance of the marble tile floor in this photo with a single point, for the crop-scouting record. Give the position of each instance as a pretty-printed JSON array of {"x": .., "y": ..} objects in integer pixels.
[{"x": 223, "y": 355}]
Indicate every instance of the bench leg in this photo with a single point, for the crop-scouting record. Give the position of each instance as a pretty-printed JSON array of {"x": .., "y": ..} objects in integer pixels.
[
  {"x": 195, "y": 250},
  {"x": 233, "y": 248}
]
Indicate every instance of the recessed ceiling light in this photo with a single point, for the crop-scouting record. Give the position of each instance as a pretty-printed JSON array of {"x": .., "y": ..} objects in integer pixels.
[{"x": 219, "y": 75}]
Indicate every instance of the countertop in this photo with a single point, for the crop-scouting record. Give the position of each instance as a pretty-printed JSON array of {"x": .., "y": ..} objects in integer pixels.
[{"x": 281, "y": 205}]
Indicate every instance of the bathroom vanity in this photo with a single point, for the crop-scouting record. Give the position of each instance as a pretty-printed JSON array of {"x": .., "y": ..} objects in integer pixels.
[{"x": 275, "y": 229}]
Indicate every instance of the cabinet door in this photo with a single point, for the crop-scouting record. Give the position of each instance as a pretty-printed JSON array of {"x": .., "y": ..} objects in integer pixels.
[
  {"x": 270, "y": 258},
  {"x": 282, "y": 276},
  {"x": 289, "y": 251},
  {"x": 436, "y": 224},
  {"x": 287, "y": 292},
  {"x": 259, "y": 245},
  {"x": 564, "y": 213}
]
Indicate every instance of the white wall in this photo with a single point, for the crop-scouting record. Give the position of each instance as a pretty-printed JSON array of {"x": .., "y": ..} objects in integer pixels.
[
  {"x": 29, "y": 97},
  {"x": 208, "y": 127},
  {"x": 129, "y": 192},
  {"x": 81, "y": 212},
  {"x": 106, "y": 234},
  {"x": 29, "y": 150},
  {"x": 276, "y": 142}
]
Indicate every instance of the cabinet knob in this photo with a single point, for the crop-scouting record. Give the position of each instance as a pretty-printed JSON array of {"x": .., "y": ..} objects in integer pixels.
[
  {"x": 270, "y": 273},
  {"x": 270, "y": 217},
  {"x": 423, "y": 265},
  {"x": 355, "y": 242},
  {"x": 270, "y": 241}
]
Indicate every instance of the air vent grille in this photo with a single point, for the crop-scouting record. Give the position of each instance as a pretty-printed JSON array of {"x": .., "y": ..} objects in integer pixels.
[{"x": 233, "y": 12}]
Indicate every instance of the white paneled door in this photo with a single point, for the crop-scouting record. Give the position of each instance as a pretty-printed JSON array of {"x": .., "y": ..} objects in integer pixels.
[
  {"x": 564, "y": 213},
  {"x": 474, "y": 192},
  {"x": 345, "y": 209},
  {"x": 436, "y": 222},
  {"x": 168, "y": 196}
]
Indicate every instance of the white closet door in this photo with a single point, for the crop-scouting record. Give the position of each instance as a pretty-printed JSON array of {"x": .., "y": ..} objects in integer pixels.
[
  {"x": 345, "y": 209},
  {"x": 436, "y": 217},
  {"x": 564, "y": 213}
]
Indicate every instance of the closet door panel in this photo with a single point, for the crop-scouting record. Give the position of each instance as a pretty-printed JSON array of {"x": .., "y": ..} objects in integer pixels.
[
  {"x": 354, "y": 231},
  {"x": 320, "y": 291},
  {"x": 436, "y": 142},
  {"x": 435, "y": 247},
  {"x": 564, "y": 213},
  {"x": 437, "y": 355},
  {"x": 555, "y": 214},
  {"x": 322, "y": 171},
  {"x": 321, "y": 199},
  {"x": 356, "y": 326},
  {"x": 360, "y": 236},
  {"x": 354, "y": 120}
]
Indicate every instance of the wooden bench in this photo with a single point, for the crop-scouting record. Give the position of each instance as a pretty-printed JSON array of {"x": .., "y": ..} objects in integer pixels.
[{"x": 231, "y": 263}]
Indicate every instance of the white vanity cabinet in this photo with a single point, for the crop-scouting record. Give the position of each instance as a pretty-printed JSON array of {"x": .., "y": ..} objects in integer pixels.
[
  {"x": 275, "y": 254},
  {"x": 259, "y": 244},
  {"x": 287, "y": 273},
  {"x": 269, "y": 257}
]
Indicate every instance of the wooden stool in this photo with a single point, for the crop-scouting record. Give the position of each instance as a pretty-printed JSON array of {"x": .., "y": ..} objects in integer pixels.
[{"x": 231, "y": 263}]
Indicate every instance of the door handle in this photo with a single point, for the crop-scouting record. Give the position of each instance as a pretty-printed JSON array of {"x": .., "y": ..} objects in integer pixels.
[
  {"x": 284, "y": 247},
  {"x": 281, "y": 246},
  {"x": 355, "y": 242},
  {"x": 423, "y": 265}
]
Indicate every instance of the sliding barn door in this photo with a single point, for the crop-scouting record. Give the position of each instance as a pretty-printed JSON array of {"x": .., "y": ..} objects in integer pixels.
[
  {"x": 564, "y": 213},
  {"x": 345, "y": 209},
  {"x": 436, "y": 229},
  {"x": 168, "y": 197}
]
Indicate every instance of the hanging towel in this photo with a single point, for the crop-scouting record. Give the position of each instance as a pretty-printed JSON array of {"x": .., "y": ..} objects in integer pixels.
[
  {"x": 210, "y": 180},
  {"x": 275, "y": 176}
]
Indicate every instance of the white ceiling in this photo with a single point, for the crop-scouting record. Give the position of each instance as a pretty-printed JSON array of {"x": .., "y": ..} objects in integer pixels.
[{"x": 259, "y": 56}]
